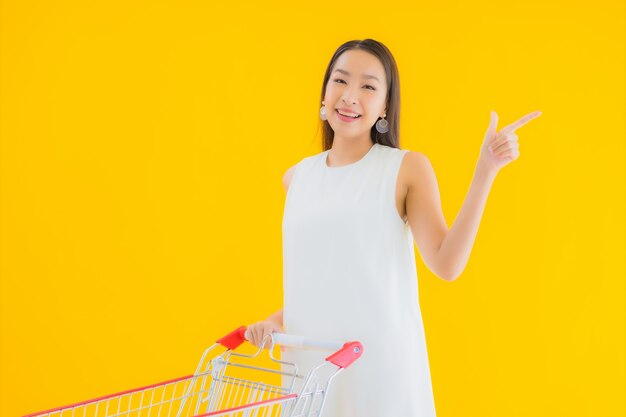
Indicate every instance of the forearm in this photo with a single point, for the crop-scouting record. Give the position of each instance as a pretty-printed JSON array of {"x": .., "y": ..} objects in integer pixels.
[
  {"x": 456, "y": 246},
  {"x": 277, "y": 317}
]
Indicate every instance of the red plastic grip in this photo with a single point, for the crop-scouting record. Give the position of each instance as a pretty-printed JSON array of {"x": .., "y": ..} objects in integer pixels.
[
  {"x": 233, "y": 339},
  {"x": 344, "y": 357}
]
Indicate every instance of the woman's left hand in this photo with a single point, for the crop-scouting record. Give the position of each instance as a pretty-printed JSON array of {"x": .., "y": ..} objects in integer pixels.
[{"x": 499, "y": 149}]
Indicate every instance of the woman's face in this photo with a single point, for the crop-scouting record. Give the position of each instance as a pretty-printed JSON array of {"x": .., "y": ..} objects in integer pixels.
[{"x": 351, "y": 87}]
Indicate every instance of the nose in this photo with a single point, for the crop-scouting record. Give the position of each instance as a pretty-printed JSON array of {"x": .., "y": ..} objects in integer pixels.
[
  {"x": 348, "y": 96},
  {"x": 348, "y": 100}
]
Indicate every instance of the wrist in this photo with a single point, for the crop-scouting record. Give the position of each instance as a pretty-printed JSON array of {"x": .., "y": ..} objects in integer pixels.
[
  {"x": 274, "y": 319},
  {"x": 485, "y": 170}
]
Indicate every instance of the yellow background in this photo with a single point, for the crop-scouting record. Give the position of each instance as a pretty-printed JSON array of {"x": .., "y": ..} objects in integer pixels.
[{"x": 143, "y": 145}]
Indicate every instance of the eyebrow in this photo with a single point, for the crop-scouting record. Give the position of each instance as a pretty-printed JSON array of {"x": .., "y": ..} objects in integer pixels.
[{"x": 367, "y": 76}]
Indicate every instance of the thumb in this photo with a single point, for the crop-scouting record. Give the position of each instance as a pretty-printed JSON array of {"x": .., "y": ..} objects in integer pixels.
[{"x": 493, "y": 125}]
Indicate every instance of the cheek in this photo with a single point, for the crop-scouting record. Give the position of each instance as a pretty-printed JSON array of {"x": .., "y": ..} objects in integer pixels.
[
  {"x": 372, "y": 108},
  {"x": 332, "y": 93}
]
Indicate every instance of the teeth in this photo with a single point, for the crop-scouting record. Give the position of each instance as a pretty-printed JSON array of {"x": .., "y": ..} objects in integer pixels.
[{"x": 353, "y": 115}]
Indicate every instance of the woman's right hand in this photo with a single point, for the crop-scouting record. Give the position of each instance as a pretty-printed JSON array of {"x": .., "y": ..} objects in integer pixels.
[{"x": 255, "y": 333}]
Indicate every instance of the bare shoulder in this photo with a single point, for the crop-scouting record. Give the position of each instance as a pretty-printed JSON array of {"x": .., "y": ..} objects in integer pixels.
[
  {"x": 415, "y": 167},
  {"x": 287, "y": 177}
]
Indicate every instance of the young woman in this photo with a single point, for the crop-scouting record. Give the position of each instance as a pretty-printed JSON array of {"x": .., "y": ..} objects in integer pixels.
[{"x": 351, "y": 216}]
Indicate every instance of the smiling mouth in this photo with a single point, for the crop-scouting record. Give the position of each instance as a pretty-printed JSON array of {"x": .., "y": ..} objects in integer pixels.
[{"x": 337, "y": 111}]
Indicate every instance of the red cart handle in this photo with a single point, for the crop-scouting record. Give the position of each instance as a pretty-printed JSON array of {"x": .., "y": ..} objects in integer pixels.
[
  {"x": 233, "y": 339},
  {"x": 344, "y": 357}
]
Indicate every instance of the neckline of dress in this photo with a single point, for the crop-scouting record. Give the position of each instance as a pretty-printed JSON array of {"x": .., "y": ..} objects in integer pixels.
[{"x": 363, "y": 158}]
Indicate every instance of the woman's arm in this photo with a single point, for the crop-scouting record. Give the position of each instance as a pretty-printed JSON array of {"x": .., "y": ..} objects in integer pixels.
[
  {"x": 456, "y": 246},
  {"x": 277, "y": 317},
  {"x": 445, "y": 251}
]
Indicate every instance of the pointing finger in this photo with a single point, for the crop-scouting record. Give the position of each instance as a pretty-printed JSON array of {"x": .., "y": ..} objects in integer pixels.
[{"x": 521, "y": 122}]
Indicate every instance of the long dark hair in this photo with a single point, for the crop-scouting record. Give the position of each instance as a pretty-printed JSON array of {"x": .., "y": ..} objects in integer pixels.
[{"x": 392, "y": 137}]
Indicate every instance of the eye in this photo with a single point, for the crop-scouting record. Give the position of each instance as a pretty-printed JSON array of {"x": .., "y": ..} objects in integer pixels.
[{"x": 367, "y": 85}]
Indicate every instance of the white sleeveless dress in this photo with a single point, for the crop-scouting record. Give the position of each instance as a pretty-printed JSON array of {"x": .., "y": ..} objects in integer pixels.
[{"x": 349, "y": 274}]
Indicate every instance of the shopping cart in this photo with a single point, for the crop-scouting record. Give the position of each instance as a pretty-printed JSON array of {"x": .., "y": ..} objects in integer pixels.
[{"x": 227, "y": 383}]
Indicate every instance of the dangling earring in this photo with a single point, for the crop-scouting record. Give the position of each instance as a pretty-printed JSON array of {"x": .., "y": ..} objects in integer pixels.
[
  {"x": 323, "y": 112},
  {"x": 382, "y": 125}
]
